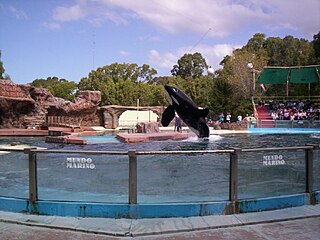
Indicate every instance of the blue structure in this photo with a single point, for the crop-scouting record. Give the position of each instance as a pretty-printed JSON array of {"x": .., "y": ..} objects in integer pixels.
[{"x": 136, "y": 211}]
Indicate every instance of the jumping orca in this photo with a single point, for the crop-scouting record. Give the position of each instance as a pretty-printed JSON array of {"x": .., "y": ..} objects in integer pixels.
[{"x": 187, "y": 110}]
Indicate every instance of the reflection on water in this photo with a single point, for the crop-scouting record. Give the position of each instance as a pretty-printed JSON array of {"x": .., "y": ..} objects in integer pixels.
[{"x": 162, "y": 178}]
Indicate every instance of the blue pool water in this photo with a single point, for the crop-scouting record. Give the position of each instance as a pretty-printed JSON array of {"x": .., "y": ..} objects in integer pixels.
[
  {"x": 162, "y": 178},
  {"x": 101, "y": 139},
  {"x": 284, "y": 131}
]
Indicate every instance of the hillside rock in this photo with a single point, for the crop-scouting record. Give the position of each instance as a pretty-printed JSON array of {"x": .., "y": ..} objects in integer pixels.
[{"x": 23, "y": 106}]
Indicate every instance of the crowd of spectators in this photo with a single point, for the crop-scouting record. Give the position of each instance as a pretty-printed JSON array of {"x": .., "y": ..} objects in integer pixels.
[{"x": 294, "y": 110}]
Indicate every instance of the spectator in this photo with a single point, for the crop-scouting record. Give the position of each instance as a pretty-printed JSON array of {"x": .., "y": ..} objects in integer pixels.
[
  {"x": 228, "y": 118},
  {"x": 221, "y": 118},
  {"x": 292, "y": 110},
  {"x": 239, "y": 119},
  {"x": 177, "y": 125}
]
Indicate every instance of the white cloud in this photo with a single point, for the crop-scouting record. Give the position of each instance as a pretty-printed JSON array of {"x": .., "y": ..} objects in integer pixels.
[
  {"x": 213, "y": 55},
  {"x": 302, "y": 16},
  {"x": 17, "y": 13},
  {"x": 89, "y": 10},
  {"x": 225, "y": 17},
  {"x": 150, "y": 38},
  {"x": 124, "y": 53},
  {"x": 51, "y": 25},
  {"x": 164, "y": 60},
  {"x": 72, "y": 13}
]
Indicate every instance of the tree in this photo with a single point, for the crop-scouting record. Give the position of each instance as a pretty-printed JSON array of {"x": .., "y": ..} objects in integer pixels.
[
  {"x": 64, "y": 89},
  {"x": 1, "y": 68},
  {"x": 256, "y": 44},
  {"x": 61, "y": 88},
  {"x": 221, "y": 96},
  {"x": 123, "y": 84},
  {"x": 289, "y": 51},
  {"x": 146, "y": 73},
  {"x": 235, "y": 72},
  {"x": 190, "y": 66},
  {"x": 274, "y": 47},
  {"x": 316, "y": 47},
  {"x": 128, "y": 71}
]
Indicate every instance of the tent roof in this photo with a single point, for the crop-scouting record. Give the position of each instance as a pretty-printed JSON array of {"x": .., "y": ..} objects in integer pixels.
[{"x": 281, "y": 75}]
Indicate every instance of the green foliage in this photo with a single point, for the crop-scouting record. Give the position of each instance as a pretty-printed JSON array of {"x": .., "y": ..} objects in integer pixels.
[
  {"x": 222, "y": 96},
  {"x": 229, "y": 90},
  {"x": 262, "y": 51},
  {"x": 190, "y": 66},
  {"x": 58, "y": 87},
  {"x": 288, "y": 51},
  {"x": 316, "y": 47},
  {"x": 235, "y": 72},
  {"x": 256, "y": 44},
  {"x": 1, "y": 68},
  {"x": 123, "y": 84}
]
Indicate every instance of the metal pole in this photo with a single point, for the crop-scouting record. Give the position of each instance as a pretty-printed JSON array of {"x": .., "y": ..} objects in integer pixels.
[
  {"x": 138, "y": 104},
  {"x": 233, "y": 181},
  {"x": 132, "y": 177},
  {"x": 309, "y": 169},
  {"x": 33, "y": 185},
  {"x": 254, "y": 80}
]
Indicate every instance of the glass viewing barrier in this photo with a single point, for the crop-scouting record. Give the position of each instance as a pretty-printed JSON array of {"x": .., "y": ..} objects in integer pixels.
[
  {"x": 271, "y": 173},
  {"x": 82, "y": 177},
  {"x": 183, "y": 177},
  {"x": 173, "y": 173},
  {"x": 14, "y": 176}
]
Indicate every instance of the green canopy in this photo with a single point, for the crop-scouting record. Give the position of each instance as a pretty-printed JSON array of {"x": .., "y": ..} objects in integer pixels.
[
  {"x": 274, "y": 76},
  {"x": 304, "y": 75},
  {"x": 281, "y": 75}
]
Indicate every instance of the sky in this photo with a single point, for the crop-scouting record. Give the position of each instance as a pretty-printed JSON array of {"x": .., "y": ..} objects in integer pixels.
[{"x": 70, "y": 38}]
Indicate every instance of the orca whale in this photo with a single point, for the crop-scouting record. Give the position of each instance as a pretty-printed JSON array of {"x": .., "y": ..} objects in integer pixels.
[{"x": 187, "y": 110}]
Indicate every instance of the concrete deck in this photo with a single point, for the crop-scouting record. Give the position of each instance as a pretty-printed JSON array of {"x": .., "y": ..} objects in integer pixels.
[{"x": 165, "y": 228}]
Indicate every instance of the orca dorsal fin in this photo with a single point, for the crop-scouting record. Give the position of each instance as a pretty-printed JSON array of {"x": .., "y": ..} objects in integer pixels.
[
  {"x": 203, "y": 112},
  {"x": 167, "y": 116}
]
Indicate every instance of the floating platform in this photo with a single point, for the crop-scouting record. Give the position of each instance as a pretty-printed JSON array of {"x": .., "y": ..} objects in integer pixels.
[
  {"x": 147, "y": 137},
  {"x": 66, "y": 139},
  {"x": 23, "y": 132}
]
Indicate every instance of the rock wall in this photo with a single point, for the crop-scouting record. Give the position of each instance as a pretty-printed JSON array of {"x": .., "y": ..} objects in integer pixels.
[{"x": 24, "y": 106}]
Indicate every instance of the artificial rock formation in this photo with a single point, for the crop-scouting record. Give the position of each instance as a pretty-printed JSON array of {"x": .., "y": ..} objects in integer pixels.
[
  {"x": 23, "y": 106},
  {"x": 151, "y": 127}
]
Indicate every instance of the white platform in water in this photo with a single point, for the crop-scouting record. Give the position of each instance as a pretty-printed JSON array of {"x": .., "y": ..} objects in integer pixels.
[{"x": 16, "y": 147}]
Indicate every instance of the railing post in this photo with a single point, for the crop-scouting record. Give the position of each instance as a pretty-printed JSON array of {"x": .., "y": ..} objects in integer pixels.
[
  {"x": 132, "y": 177},
  {"x": 233, "y": 181},
  {"x": 309, "y": 167},
  {"x": 33, "y": 184}
]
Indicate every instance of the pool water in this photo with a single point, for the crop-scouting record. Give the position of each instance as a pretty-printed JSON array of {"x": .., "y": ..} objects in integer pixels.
[
  {"x": 162, "y": 178},
  {"x": 101, "y": 139}
]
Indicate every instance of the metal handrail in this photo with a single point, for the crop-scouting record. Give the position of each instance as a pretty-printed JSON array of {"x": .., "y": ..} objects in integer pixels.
[
  {"x": 284, "y": 98},
  {"x": 277, "y": 148},
  {"x": 184, "y": 152},
  {"x": 289, "y": 123},
  {"x": 157, "y": 152}
]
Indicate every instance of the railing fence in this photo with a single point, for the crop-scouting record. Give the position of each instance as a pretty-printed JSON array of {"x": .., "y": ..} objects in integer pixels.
[{"x": 234, "y": 159}]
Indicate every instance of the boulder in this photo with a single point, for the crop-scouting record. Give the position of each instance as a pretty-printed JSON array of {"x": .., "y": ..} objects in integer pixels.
[
  {"x": 149, "y": 127},
  {"x": 23, "y": 106}
]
